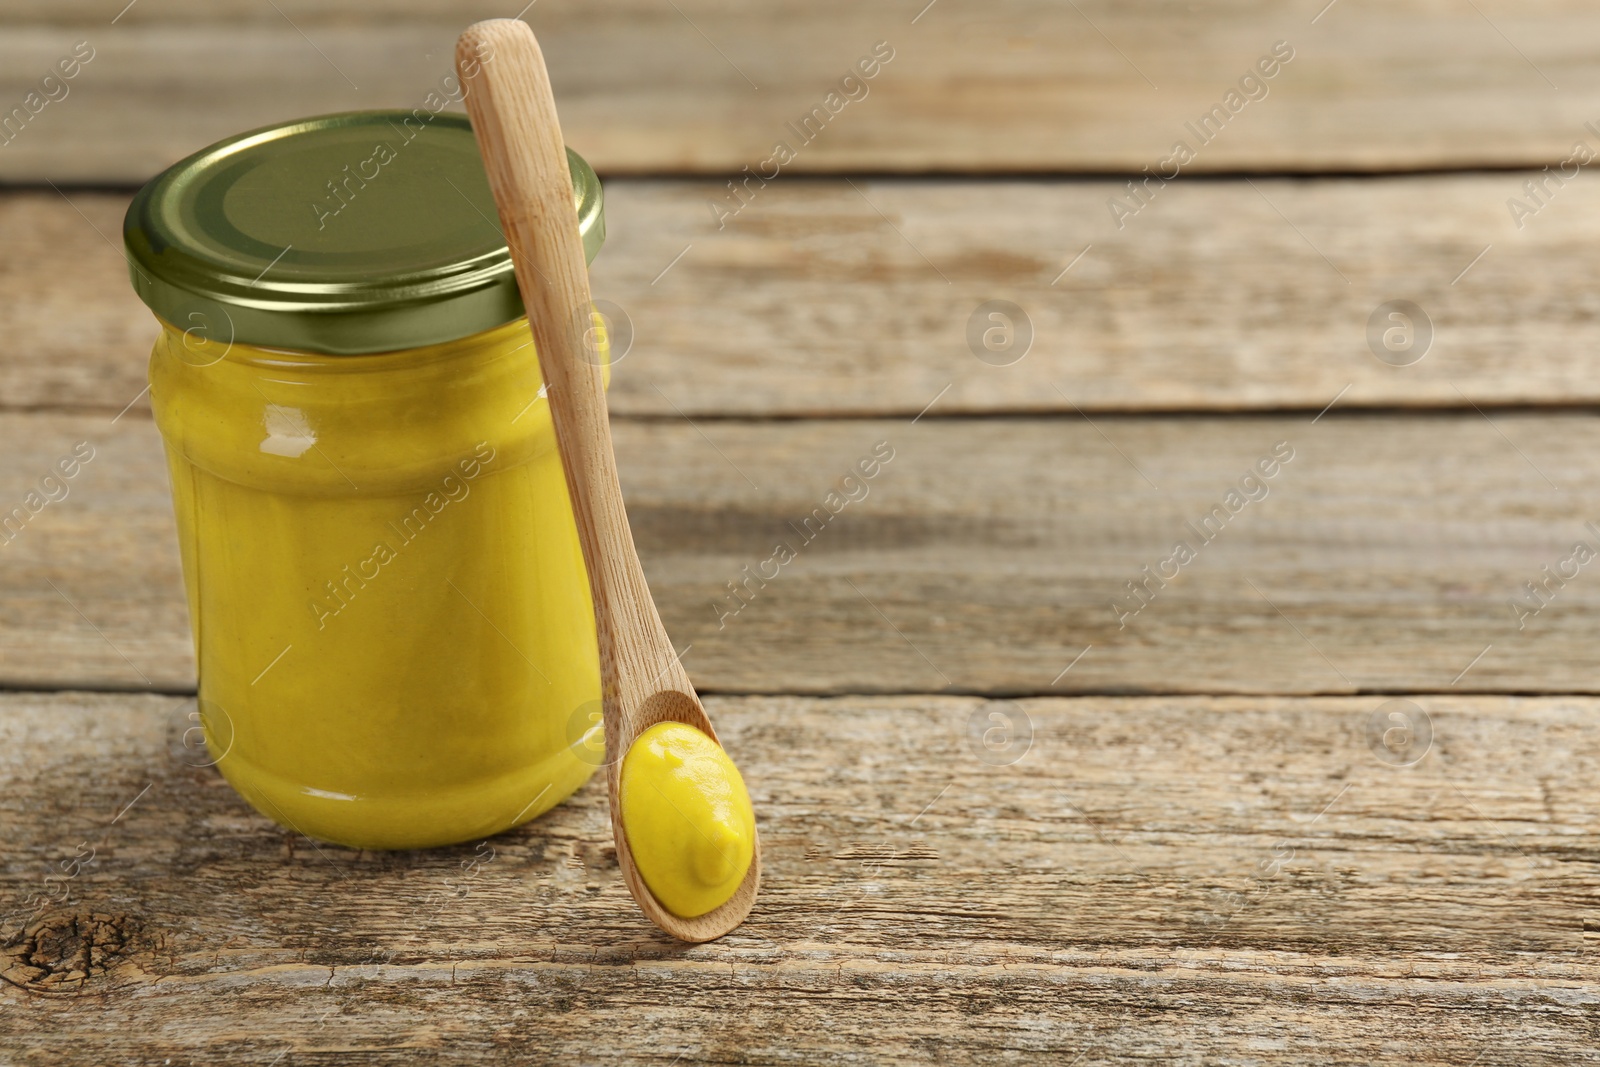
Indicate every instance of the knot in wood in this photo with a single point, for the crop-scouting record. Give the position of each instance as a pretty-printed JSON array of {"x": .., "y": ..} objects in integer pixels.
[{"x": 60, "y": 953}]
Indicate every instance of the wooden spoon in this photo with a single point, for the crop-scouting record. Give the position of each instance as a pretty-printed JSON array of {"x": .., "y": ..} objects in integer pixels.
[{"x": 643, "y": 683}]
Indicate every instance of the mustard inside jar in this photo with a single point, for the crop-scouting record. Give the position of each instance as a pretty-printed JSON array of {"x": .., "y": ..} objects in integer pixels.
[{"x": 391, "y": 616}]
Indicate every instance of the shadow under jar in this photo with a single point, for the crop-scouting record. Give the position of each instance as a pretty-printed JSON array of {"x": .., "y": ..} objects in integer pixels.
[{"x": 391, "y": 616}]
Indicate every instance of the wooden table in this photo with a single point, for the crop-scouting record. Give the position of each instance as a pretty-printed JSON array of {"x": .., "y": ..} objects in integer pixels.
[{"x": 1325, "y": 792}]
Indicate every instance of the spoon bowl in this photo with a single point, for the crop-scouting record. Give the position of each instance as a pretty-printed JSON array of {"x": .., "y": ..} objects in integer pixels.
[{"x": 680, "y": 705}]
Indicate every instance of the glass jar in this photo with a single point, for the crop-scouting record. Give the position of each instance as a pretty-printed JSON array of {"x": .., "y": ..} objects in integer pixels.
[{"x": 391, "y": 615}]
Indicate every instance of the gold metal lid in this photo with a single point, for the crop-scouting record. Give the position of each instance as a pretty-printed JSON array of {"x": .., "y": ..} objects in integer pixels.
[{"x": 368, "y": 231}]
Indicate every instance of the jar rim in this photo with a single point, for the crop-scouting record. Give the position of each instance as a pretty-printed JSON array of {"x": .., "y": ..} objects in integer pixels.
[{"x": 353, "y": 233}]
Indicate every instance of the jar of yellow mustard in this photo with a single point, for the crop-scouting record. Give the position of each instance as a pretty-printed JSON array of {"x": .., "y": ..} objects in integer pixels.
[{"x": 391, "y": 616}]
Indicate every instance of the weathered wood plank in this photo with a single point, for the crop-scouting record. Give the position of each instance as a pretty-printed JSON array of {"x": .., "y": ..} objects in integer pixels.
[
  {"x": 709, "y": 86},
  {"x": 987, "y": 555},
  {"x": 1242, "y": 879},
  {"x": 811, "y": 302}
]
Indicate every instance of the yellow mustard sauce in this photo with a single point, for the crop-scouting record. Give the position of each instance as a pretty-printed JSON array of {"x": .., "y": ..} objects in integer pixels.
[
  {"x": 688, "y": 818},
  {"x": 391, "y": 612}
]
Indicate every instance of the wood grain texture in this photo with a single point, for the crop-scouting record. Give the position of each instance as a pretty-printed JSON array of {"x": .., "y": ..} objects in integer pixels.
[
  {"x": 984, "y": 555},
  {"x": 709, "y": 86},
  {"x": 1216, "y": 296},
  {"x": 1241, "y": 880}
]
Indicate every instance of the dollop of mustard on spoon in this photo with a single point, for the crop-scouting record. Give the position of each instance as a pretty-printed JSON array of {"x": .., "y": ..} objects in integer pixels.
[{"x": 688, "y": 818}]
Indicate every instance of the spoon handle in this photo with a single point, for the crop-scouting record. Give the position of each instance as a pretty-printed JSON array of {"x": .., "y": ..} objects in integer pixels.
[{"x": 514, "y": 120}]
